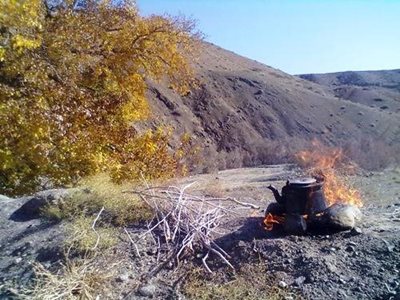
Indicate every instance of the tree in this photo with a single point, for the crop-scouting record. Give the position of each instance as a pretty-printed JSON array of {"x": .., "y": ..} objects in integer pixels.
[{"x": 72, "y": 82}]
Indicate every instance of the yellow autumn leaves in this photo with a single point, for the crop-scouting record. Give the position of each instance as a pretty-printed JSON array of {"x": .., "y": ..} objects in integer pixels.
[{"x": 72, "y": 83}]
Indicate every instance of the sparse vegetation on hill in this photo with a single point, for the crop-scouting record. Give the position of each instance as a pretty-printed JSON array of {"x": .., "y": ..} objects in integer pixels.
[{"x": 245, "y": 113}]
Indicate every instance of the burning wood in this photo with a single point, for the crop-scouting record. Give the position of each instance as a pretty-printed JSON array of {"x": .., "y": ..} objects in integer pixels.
[
  {"x": 322, "y": 199},
  {"x": 271, "y": 219},
  {"x": 323, "y": 162}
]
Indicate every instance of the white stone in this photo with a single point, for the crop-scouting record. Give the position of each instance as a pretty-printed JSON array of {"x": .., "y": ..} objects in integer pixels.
[
  {"x": 282, "y": 284},
  {"x": 343, "y": 216}
]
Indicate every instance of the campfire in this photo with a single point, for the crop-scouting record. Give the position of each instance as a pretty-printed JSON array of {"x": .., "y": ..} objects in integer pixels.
[{"x": 320, "y": 202}]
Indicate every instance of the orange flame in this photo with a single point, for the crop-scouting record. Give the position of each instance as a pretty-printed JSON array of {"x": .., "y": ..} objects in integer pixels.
[
  {"x": 322, "y": 162},
  {"x": 270, "y": 220}
]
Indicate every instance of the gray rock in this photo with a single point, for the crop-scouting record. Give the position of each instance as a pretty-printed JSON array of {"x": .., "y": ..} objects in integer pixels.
[
  {"x": 242, "y": 244},
  {"x": 331, "y": 267},
  {"x": 390, "y": 247},
  {"x": 356, "y": 231},
  {"x": 282, "y": 284},
  {"x": 343, "y": 216},
  {"x": 299, "y": 280},
  {"x": 18, "y": 260},
  {"x": 123, "y": 277},
  {"x": 4, "y": 198},
  {"x": 344, "y": 295},
  {"x": 32, "y": 207},
  {"x": 148, "y": 290}
]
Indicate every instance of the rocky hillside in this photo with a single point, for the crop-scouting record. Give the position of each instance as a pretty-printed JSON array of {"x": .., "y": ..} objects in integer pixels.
[
  {"x": 376, "y": 89},
  {"x": 247, "y": 113}
]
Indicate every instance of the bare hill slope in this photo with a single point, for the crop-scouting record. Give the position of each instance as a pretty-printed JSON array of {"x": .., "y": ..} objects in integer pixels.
[
  {"x": 376, "y": 89},
  {"x": 246, "y": 113}
]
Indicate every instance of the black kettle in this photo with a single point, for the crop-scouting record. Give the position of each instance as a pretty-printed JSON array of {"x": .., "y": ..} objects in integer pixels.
[{"x": 303, "y": 196}]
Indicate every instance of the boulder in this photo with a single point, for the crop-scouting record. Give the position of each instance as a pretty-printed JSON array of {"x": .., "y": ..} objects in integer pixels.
[
  {"x": 342, "y": 216},
  {"x": 33, "y": 205}
]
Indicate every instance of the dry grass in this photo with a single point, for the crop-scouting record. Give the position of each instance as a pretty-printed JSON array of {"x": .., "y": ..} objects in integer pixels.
[
  {"x": 97, "y": 192},
  {"x": 215, "y": 189},
  {"x": 93, "y": 216},
  {"x": 81, "y": 279},
  {"x": 80, "y": 210},
  {"x": 82, "y": 237},
  {"x": 251, "y": 282}
]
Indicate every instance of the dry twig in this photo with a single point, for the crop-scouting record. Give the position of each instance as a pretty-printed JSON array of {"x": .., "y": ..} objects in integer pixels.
[
  {"x": 132, "y": 242},
  {"x": 93, "y": 228},
  {"x": 184, "y": 224}
]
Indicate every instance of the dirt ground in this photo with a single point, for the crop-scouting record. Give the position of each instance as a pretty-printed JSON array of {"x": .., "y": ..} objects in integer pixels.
[{"x": 358, "y": 264}]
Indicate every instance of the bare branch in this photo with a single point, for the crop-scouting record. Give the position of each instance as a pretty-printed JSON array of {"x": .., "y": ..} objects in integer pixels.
[
  {"x": 184, "y": 223},
  {"x": 133, "y": 243},
  {"x": 205, "y": 263},
  {"x": 93, "y": 225}
]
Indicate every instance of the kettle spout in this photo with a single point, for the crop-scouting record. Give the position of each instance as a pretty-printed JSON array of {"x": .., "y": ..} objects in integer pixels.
[{"x": 278, "y": 197}]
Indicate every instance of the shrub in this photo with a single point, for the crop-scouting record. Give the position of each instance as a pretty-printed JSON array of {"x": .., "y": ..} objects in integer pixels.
[
  {"x": 79, "y": 279},
  {"x": 372, "y": 153},
  {"x": 120, "y": 208}
]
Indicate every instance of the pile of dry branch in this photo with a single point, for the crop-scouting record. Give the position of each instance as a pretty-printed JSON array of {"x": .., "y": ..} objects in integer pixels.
[{"x": 185, "y": 224}]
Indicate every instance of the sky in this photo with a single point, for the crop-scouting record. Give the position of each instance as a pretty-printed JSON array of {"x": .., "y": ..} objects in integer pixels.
[{"x": 298, "y": 36}]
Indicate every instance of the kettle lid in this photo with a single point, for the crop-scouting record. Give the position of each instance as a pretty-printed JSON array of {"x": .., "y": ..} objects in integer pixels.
[{"x": 303, "y": 181}]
